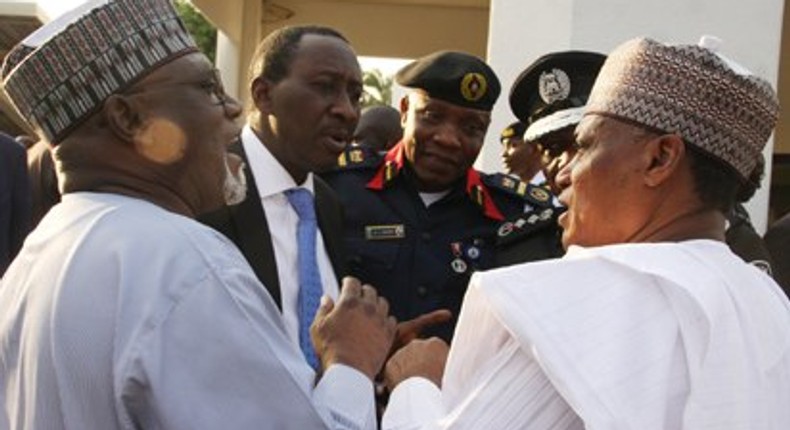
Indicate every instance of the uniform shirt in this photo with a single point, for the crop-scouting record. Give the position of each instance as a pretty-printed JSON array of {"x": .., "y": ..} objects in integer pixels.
[
  {"x": 679, "y": 336},
  {"x": 272, "y": 181},
  {"x": 420, "y": 256},
  {"x": 121, "y": 315}
]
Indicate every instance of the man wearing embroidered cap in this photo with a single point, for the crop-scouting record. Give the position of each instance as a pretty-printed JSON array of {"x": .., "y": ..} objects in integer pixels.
[
  {"x": 420, "y": 220},
  {"x": 120, "y": 310},
  {"x": 649, "y": 321}
]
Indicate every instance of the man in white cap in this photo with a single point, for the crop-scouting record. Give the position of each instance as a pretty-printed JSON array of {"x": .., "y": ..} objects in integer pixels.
[
  {"x": 649, "y": 321},
  {"x": 123, "y": 312}
]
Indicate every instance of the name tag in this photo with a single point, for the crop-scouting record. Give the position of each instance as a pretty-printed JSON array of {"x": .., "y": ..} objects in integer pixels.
[{"x": 385, "y": 232}]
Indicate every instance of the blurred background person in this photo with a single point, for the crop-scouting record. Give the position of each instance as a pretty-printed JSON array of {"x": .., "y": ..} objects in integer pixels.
[
  {"x": 379, "y": 128},
  {"x": 43, "y": 179},
  {"x": 549, "y": 97},
  {"x": 777, "y": 241},
  {"x": 14, "y": 199},
  {"x": 521, "y": 158}
]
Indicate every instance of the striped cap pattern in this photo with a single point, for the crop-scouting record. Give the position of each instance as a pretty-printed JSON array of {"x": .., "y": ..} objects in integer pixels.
[
  {"x": 62, "y": 82},
  {"x": 691, "y": 91}
]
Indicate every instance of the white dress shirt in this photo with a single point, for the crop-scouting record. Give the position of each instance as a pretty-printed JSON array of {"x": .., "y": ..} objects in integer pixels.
[
  {"x": 682, "y": 336},
  {"x": 118, "y": 314},
  {"x": 272, "y": 181}
]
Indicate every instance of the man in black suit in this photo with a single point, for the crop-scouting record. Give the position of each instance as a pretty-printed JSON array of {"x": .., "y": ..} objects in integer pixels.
[
  {"x": 777, "y": 241},
  {"x": 305, "y": 85},
  {"x": 14, "y": 199}
]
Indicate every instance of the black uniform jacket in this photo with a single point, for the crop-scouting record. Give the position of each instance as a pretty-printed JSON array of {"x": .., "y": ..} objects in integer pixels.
[{"x": 421, "y": 258}]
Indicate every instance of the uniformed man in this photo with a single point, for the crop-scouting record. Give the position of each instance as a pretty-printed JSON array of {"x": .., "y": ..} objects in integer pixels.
[
  {"x": 420, "y": 220},
  {"x": 521, "y": 158},
  {"x": 549, "y": 96}
]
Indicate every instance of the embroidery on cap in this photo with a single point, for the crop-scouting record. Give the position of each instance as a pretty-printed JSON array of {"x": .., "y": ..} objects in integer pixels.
[
  {"x": 473, "y": 86},
  {"x": 554, "y": 86}
]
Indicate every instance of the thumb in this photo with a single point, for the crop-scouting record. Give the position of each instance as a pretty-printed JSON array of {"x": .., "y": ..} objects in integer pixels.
[{"x": 325, "y": 307}]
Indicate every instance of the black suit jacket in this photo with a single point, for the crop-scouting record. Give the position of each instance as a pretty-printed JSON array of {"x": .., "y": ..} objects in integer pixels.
[
  {"x": 14, "y": 199},
  {"x": 245, "y": 224}
]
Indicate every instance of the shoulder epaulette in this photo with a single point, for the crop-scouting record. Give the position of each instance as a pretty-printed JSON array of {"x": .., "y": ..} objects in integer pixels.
[
  {"x": 523, "y": 225},
  {"x": 533, "y": 194},
  {"x": 357, "y": 157}
]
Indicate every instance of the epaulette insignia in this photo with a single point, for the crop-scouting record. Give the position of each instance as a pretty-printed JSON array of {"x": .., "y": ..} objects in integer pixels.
[
  {"x": 539, "y": 194},
  {"x": 513, "y": 185},
  {"x": 389, "y": 170},
  {"x": 356, "y": 156},
  {"x": 513, "y": 229},
  {"x": 477, "y": 195}
]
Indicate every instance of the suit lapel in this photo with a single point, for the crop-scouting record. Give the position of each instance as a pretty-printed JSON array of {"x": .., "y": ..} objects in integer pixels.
[
  {"x": 330, "y": 221},
  {"x": 252, "y": 234}
]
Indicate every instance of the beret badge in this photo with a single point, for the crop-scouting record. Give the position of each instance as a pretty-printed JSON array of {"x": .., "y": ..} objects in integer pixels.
[
  {"x": 473, "y": 86},
  {"x": 554, "y": 85}
]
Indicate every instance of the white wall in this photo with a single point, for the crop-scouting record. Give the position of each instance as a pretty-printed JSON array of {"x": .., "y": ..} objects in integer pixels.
[{"x": 522, "y": 30}]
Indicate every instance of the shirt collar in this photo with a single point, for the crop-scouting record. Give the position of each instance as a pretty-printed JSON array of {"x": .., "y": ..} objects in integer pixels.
[{"x": 270, "y": 176}]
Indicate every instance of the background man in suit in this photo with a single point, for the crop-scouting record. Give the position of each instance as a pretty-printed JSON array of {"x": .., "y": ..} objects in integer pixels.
[
  {"x": 305, "y": 85},
  {"x": 777, "y": 240},
  {"x": 14, "y": 199}
]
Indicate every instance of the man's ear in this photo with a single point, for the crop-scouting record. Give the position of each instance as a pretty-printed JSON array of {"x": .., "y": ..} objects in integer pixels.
[
  {"x": 261, "y": 94},
  {"x": 404, "y": 110},
  {"x": 122, "y": 115},
  {"x": 665, "y": 154}
]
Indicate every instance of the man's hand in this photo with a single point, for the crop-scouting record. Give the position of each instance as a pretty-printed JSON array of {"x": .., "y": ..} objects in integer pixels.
[
  {"x": 409, "y": 330},
  {"x": 356, "y": 331},
  {"x": 424, "y": 358}
]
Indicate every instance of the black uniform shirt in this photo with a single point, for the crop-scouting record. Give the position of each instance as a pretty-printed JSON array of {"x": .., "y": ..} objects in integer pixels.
[{"x": 421, "y": 258}]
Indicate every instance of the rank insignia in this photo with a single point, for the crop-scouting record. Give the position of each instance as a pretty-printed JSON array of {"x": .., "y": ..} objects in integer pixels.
[
  {"x": 342, "y": 160},
  {"x": 522, "y": 188},
  {"x": 385, "y": 232},
  {"x": 356, "y": 156},
  {"x": 473, "y": 86},
  {"x": 554, "y": 86},
  {"x": 505, "y": 229},
  {"x": 508, "y": 182},
  {"x": 389, "y": 171},
  {"x": 539, "y": 194},
  {"x": 477, "y": 194}
]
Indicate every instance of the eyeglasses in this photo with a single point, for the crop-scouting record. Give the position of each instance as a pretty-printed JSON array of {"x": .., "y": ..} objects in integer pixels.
[{"x": 212, "y": 86}]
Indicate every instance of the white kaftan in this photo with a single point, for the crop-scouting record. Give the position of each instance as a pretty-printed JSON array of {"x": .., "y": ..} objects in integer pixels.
[
  {"x": 118, "y": 314},
  {"x": 638, "y": 337}
]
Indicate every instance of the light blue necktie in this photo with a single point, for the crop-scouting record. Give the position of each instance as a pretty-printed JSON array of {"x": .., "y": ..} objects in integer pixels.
[{"x": 309, "y": 278}]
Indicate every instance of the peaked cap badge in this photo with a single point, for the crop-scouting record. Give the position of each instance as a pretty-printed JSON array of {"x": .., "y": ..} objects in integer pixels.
[{"x": 554, "y": 86}]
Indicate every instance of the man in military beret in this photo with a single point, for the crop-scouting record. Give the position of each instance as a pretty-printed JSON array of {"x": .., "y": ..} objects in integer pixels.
[
  {"x": 121, "y": 311},
  {"x": 521, "y": 159},
  {"x": 649, "y": 321},
  {"x": 420, "y": 220}
]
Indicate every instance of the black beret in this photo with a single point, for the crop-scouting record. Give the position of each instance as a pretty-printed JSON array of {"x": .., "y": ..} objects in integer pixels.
[
  {"x": 515, "y": 129},
  {"x": 454, "y": 77},
  {"x": 554, "y": 89}
]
